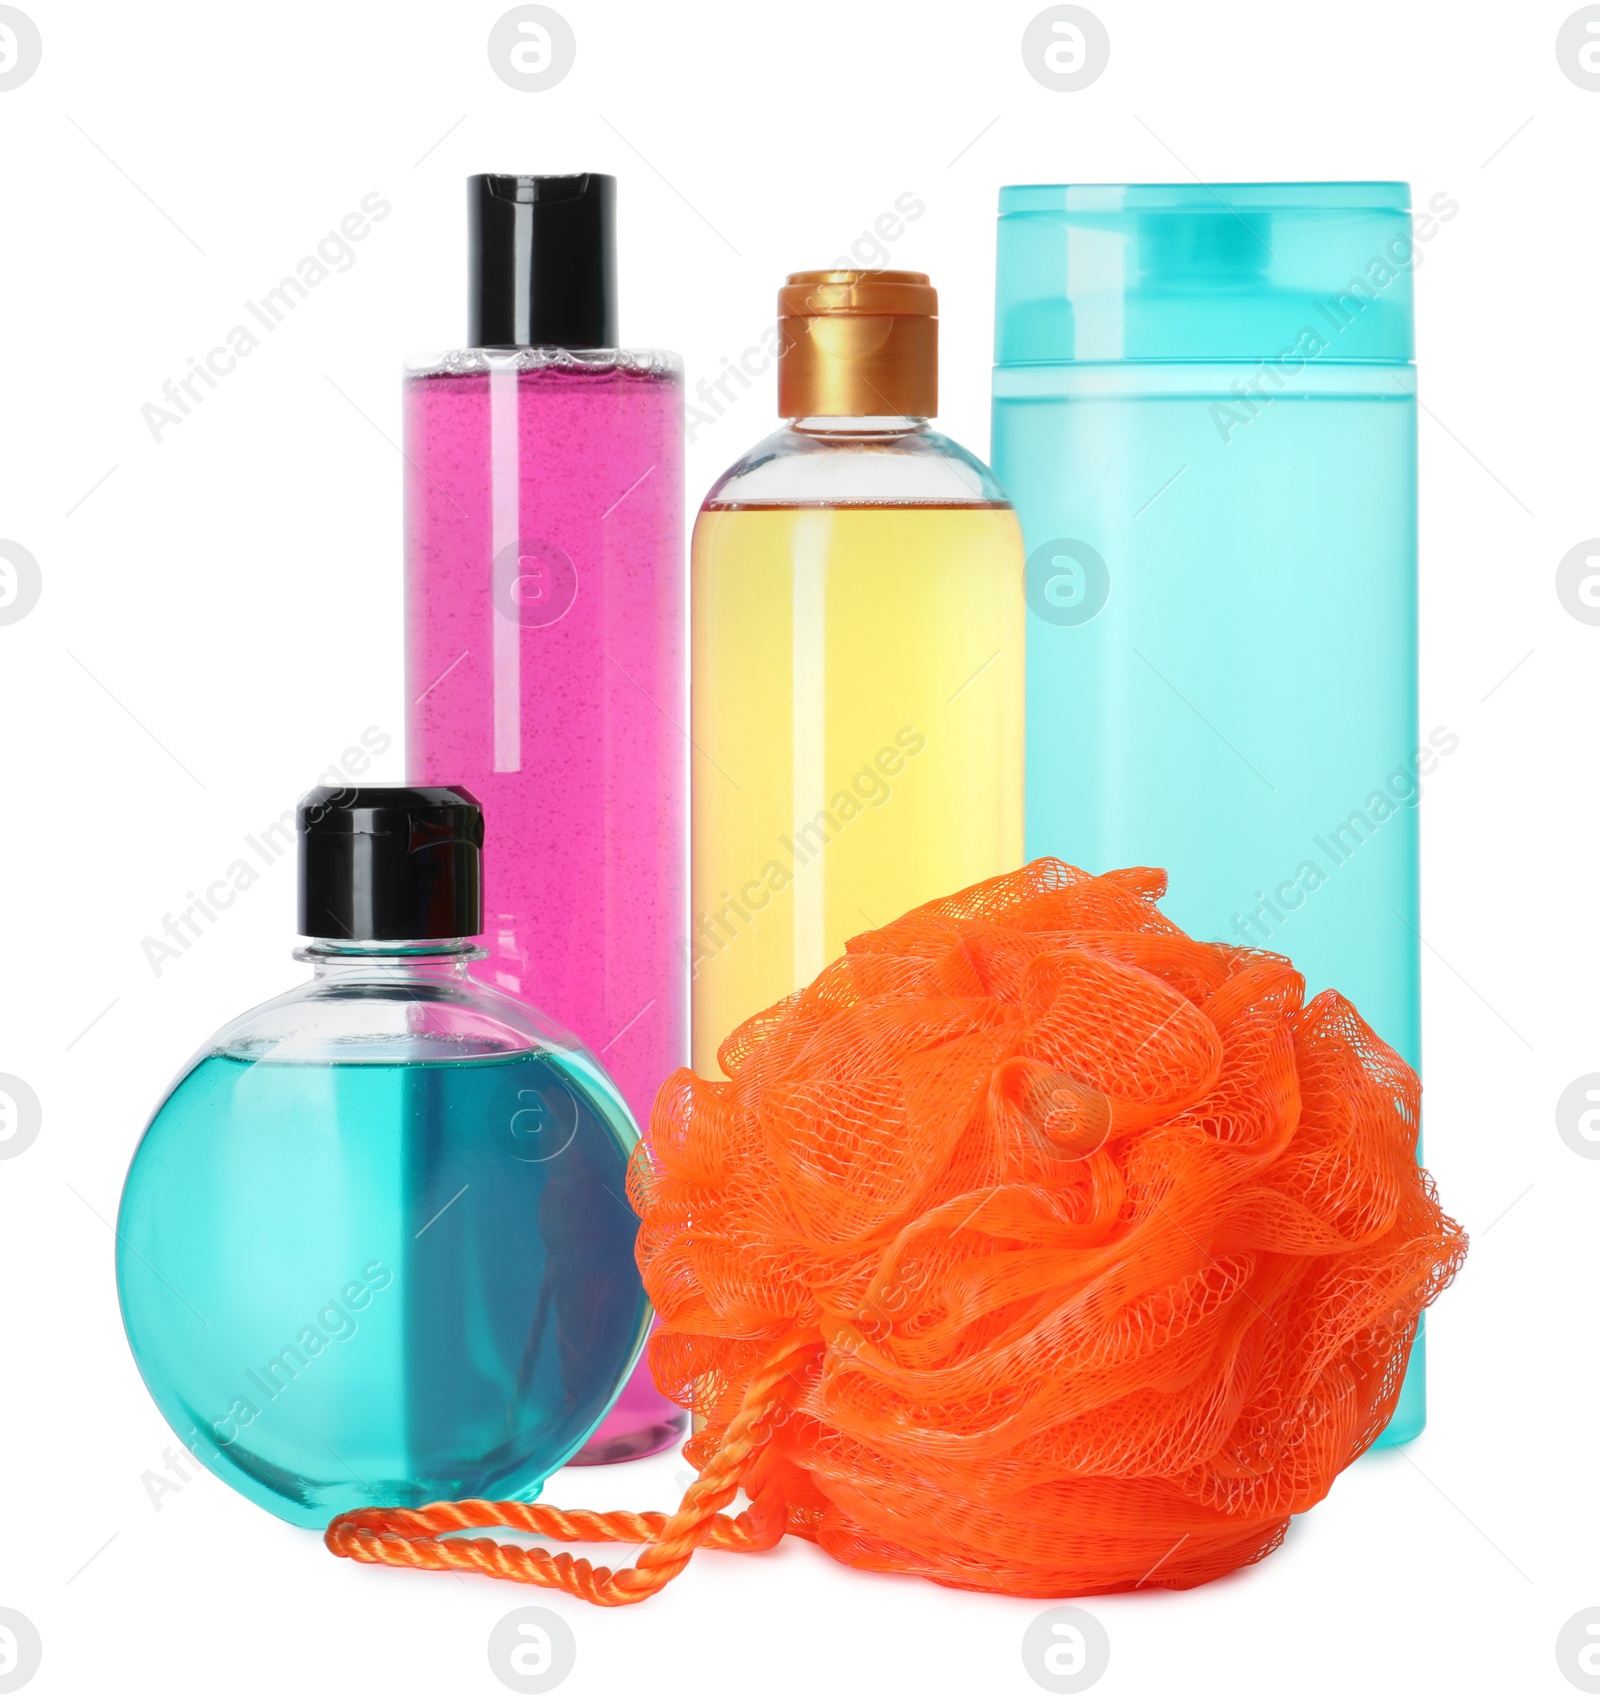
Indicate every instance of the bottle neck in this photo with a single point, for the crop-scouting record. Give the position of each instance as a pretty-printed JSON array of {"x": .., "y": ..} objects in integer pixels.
[
  {"x": 390, "y": 960},
  {"x": 859, "y": 425}
]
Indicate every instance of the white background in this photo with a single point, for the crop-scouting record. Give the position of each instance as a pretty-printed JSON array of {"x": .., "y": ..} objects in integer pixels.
[{"x": 220, "y": 618}]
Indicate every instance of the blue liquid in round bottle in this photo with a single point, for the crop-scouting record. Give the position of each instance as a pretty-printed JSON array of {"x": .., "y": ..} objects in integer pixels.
[{"x": 375, "y": 1246}]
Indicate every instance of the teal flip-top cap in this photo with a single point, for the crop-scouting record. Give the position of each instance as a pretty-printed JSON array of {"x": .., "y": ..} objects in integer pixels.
[{"x": 1191, "y": 272}]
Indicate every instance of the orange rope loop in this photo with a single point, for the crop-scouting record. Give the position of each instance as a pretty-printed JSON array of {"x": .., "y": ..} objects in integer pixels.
[{"x": 401, "y": 1536}]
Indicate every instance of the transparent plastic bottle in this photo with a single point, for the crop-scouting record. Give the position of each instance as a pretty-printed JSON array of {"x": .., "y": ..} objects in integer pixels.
[
  {"x": 374, "y": 1246},
  {"x": 857, "y": 658},
  {"x": 545, "y": 641}
]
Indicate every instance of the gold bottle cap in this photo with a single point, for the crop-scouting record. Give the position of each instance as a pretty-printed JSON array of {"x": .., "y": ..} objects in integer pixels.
[{"x": 858, "y": 344}]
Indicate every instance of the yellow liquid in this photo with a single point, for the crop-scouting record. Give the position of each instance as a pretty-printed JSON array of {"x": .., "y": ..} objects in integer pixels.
[{"x": 858, "y": 727}]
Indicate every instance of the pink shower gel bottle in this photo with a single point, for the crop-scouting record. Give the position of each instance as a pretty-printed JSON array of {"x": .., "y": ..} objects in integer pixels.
[{"x": 544, "y": 644}]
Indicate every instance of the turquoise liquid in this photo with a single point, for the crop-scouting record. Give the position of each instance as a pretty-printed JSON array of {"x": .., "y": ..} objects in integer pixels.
[
  {"x": 363, "y": 1283},
  {"x": 1234, "y": 698}
]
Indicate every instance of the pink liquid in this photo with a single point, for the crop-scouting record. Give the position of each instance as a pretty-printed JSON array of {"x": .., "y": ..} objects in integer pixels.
[{"x": 544, "y": 667}]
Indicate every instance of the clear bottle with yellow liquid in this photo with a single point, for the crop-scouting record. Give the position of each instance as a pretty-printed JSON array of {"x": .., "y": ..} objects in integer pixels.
[{"x": 857, "y": 658}]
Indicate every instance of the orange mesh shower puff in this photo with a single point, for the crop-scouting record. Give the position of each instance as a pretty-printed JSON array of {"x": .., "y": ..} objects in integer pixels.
[{"x": 1034, "y": 1247}]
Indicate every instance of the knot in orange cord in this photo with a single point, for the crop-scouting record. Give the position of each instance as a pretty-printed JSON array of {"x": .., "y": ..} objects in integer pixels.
[{"x": 1034, "y": 1247}]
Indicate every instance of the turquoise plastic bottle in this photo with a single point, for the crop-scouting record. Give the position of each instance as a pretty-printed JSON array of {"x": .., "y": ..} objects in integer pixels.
[{"x": 1204, "y": 412}]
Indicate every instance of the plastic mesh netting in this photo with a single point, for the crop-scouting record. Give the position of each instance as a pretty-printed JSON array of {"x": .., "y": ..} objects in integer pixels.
[{"x": 1114, "y": 1245}]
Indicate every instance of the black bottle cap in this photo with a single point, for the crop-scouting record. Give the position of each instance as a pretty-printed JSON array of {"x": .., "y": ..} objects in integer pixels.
[
  {"x": 390, "y": 862},
  {"x": 542, "y": 261}
]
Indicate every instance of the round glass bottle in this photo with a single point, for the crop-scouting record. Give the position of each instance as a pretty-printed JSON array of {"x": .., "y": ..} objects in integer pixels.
[{"x": 374, "y": 1247}]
